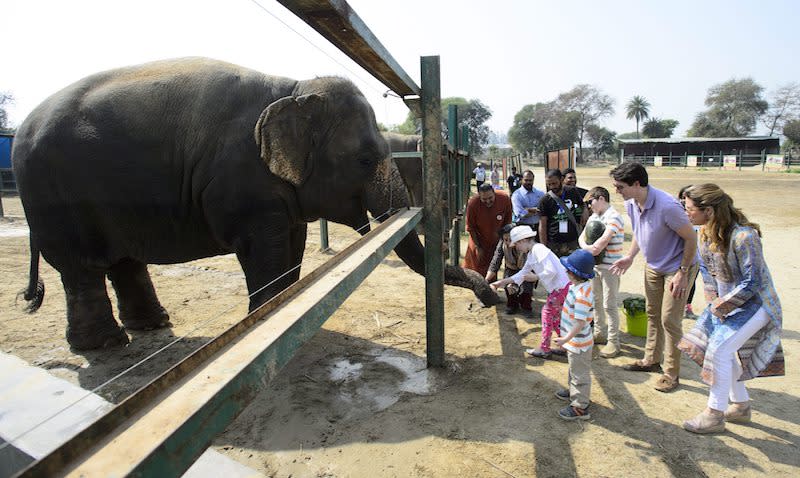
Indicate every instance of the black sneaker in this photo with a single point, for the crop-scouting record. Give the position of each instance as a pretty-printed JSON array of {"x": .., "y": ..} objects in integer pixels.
[
  {"x": 571, "y": 413},
  {"x": 563, "y": 394}
]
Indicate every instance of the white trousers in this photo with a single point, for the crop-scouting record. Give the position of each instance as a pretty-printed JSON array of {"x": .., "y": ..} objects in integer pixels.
[{"x": 727, "y": 369}]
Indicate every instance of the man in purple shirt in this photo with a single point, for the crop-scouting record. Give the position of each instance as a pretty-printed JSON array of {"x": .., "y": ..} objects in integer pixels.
[{"x": 668, "y": 242}]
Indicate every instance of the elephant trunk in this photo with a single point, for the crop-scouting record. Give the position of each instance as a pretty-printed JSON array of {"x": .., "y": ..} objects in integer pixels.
[{"x": 388, "y": 193}]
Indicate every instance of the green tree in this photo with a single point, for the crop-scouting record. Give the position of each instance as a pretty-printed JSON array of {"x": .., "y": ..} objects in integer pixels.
[
  {"x": 784, "y": 105},
  {"x": 631, "y": 135},
  {"x": 658, "y": 128},
  {"x": 589, "y": 104},
  {"x": 734, "y": 108},
  {"x": 792, "y": 131},
  {"x": 542, "y": 127},
  {"x": 472, "y": 113},
  {"x": 6, "y": 99},
  {"x": 603, "y": 140},
  {"x": 637, "y": 108}
]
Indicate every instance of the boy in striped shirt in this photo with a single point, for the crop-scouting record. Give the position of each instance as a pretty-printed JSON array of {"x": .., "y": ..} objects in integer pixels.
[
  {"x": 605, "y": 284},
  {"x": 576, "y": 334}
]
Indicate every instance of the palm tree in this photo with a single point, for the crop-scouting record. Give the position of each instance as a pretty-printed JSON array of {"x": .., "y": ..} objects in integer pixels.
[{"x": 638, "y": 108}]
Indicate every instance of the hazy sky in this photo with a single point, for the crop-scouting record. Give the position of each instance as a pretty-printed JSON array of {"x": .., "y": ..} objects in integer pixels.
[{"x": 506, "y": 53}]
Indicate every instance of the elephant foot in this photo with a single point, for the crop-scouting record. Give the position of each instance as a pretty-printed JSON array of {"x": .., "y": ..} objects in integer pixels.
[
  {"x": 87, "y": 338},
  {"x": 145, "y": 320}
]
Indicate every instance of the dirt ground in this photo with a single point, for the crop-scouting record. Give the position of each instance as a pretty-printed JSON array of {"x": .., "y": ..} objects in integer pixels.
[{"x": 358, "y": 401}]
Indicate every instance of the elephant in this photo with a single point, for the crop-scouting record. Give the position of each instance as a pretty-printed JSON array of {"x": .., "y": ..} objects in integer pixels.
[
  {"x": 176, "y": 160},
  {"x": 410, "y": 168}
]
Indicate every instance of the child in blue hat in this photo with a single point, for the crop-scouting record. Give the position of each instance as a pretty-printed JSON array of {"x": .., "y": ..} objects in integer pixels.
[{"x": 576, "y": 334}]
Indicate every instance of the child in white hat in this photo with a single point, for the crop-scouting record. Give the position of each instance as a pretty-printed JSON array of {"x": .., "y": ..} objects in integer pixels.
[{"x": 544, "y": 266}]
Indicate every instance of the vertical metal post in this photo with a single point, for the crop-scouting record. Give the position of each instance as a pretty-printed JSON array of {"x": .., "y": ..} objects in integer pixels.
[
  {"x": 323, "y": 235},
  {"x": 432, "y": 213},
  {"x": 763, "y": 158},
  {"x": 455, "y": 184}
]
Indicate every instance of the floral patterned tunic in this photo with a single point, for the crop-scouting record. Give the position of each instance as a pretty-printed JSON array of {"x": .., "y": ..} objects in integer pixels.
[{"x": 737, "y": 284}]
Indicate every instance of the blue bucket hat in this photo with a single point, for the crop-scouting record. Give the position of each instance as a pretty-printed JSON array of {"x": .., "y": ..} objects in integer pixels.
[{"x": 580, "y": 263}]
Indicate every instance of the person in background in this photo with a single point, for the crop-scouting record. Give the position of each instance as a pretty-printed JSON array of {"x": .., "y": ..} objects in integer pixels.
[
  {"x": 669, "y": 245},
  {"x": 605, "y": 284},
  {"x": 556, "y": 230},
  {"x": 480, "y": 176},
  {"x": 525, "y": 202},
  {"x": 571, "y": 179},
  {"x": 495, "y": 177},
  {"x": 737, "y": 337},
  {"x": 689, "y": 314},
  {"x": 487, "y": 212},
  {"x": 576, "y": 335},
  {"x": 516, "y": 297},
  {"x": 514, "y": 181},
  {"x": 547, "y": 269}
]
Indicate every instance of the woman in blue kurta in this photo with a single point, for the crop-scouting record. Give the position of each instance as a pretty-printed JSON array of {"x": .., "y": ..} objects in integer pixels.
[{"x": 738, "y": 335}]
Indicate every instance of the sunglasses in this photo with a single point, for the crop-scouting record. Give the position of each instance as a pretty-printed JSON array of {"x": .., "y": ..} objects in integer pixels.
[{"x": 589, "y": 202}]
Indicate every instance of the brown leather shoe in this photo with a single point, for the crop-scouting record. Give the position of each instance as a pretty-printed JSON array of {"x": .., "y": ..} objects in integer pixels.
[
  {"x": 639, "y": 366},
  {"x": 666, "y": 384}
]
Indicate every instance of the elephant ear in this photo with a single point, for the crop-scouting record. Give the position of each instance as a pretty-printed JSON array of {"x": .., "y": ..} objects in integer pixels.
[{"x": 286, "y": 135}]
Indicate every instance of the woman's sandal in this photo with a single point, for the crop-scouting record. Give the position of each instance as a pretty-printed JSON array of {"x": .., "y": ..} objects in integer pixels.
[
  {"x": 704, "y": 423},
  {"x": 737, "y": 413}
]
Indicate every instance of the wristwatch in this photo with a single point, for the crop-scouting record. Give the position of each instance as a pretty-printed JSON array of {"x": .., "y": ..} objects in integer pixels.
[{"x": 684, "y": 268}]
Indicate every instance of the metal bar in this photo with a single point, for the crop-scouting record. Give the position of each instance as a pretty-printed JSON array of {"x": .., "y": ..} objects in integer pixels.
[
  {"x": 323, "y": 235},
  {"x": 193, "y": 404},
  {"x": 432, "y": 217},
  {"x": 339, "y": 24},
  {"x": 407, "y": 154}
]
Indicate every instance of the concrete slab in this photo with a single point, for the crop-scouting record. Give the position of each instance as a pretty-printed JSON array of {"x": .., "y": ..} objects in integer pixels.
[{"x": 39, "y": 412}]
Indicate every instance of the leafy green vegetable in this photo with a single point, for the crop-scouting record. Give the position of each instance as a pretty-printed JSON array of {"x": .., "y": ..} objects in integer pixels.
[{"x": 634, "y": 305}]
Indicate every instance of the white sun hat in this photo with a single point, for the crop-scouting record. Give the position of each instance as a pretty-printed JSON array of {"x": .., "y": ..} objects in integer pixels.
[{"x": 521, "y": 232}]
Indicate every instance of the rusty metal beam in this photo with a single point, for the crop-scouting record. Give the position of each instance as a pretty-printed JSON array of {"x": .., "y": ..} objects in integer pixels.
[
  {"x": 339, "y": 24},
  {"x": 163, "y": 428}
]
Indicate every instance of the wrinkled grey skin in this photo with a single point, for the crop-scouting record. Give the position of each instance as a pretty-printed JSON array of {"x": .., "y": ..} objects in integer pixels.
[
  {"x": 177, "y": 160},
  {"x": 410, "y": 168}
]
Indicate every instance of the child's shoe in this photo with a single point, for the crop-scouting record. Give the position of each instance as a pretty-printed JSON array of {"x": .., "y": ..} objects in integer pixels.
[
  {"x": 539, "y": 353},
  {"x": 571, "y": 413}
]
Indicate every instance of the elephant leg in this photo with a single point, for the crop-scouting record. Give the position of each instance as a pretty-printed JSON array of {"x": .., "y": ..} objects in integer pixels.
[
  {"x": 139, "y": 308},
  {"x": 271, "y": 266},
  {"x": 90, "y": 321}
]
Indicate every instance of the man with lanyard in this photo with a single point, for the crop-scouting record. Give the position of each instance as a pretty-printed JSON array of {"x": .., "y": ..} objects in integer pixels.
[
  {"x": 514, "y": 181},
  {"x": 480, "y": 176},
  {"x": 667, "y": 239},
  {"x": 525, "y": 201},
  {"x": 562, "y": 214}
]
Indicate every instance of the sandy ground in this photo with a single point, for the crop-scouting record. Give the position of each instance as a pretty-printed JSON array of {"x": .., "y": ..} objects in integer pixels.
[{"x": 357, "y": 399}]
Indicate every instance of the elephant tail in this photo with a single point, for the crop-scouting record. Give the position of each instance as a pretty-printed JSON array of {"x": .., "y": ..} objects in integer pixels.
[{"x": 34, "y": 294}]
